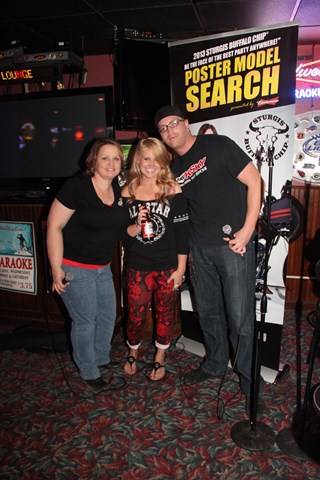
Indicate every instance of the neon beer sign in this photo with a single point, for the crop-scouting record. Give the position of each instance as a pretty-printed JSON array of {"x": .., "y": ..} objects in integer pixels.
[
  {"x": 308, "y": 76},
  {"x": 309, "y": 72}
]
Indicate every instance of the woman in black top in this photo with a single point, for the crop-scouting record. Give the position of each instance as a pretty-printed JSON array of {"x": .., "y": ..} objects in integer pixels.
[
  {"x": 155, "y": 263},
  {"x": 84, "y": 224}
]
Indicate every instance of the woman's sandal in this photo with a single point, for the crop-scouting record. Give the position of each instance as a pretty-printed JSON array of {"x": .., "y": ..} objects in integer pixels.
[
  {"x": 133, "y": 369},
  {"x": 156, "y": 366}
]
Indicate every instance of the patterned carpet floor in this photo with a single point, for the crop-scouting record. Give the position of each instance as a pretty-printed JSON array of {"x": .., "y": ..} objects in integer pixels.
[{"x": 54, "y": 427}]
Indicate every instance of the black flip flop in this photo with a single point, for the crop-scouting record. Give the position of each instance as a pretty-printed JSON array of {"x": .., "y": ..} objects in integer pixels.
[
  {"x": 131, "y": 360},
  {"x": 156, "y": 366}
]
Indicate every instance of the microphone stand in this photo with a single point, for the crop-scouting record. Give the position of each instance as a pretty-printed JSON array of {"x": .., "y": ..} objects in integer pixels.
[{"x": 255, "y": 435}]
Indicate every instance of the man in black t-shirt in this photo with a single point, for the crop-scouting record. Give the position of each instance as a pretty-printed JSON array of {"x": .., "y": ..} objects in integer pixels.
[{"x": 223, "y": 187}]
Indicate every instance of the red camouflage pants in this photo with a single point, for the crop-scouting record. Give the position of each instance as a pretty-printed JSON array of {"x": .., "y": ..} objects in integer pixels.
[{"x": 142, "y": 287}]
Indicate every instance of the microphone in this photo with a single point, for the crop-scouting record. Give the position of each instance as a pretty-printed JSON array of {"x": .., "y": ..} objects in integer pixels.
[
  {"x": 227, "y": 230},
  {"x": 68, "y": 277}
]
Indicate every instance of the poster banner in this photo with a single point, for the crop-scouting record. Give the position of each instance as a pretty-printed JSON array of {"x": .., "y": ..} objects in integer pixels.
[
  {"x": 243, "y": 84},
  {"x": 17, "y": 257},
  {"x": 223, "y": 75}
]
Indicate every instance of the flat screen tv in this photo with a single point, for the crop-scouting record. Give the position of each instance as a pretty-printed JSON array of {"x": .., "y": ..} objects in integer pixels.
[
  {"x": 141, "y": 83},
  {"x": 44, "y": 135}
]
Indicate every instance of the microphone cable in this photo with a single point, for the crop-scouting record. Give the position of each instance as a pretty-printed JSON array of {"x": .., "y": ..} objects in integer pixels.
[{"x": 111, "y": 383}]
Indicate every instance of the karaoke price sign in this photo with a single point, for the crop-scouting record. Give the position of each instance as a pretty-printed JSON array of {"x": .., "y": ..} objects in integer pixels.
[{"x": 17, "y": 257}]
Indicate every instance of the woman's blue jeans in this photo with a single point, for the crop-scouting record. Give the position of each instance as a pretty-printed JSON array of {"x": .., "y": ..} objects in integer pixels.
[
  {"x": 91, "y": 303},
  {"x": 224, "y": 287}
]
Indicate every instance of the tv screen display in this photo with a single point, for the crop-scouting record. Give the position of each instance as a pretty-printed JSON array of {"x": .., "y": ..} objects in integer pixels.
[
  {"x": 43, "y": 135},
  {"x": 141, "y": 83},
  {"x": 128, "y": 147}
]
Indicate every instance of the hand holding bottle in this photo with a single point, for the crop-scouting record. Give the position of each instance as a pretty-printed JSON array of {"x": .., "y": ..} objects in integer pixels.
[{"x": 147, "y": 228}]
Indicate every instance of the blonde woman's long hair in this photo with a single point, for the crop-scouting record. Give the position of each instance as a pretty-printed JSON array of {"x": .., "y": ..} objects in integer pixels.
[{"x": 165, "y": 179}]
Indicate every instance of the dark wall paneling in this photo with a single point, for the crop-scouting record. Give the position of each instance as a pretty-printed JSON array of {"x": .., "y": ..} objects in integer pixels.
[{"x": 302, "y": 290}]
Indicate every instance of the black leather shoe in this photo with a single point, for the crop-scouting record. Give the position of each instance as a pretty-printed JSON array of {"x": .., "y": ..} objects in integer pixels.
[
  {"x": 97, "y": 383},
  {"x": 199, "y": 375},
  {"x": 111, "y": 364}
]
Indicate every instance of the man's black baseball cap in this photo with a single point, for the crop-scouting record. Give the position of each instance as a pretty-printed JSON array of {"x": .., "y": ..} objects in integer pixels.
[{"x": 167, "y": 111}]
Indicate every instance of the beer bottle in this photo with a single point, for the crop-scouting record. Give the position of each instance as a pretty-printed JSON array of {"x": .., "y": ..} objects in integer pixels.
[{"x": 147, "y": 231}]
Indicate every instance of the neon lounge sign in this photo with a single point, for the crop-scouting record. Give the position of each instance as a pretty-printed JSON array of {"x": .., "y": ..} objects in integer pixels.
[
  {"x": 24, "y": 74},
  {"x": 308, "y": 73}
]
